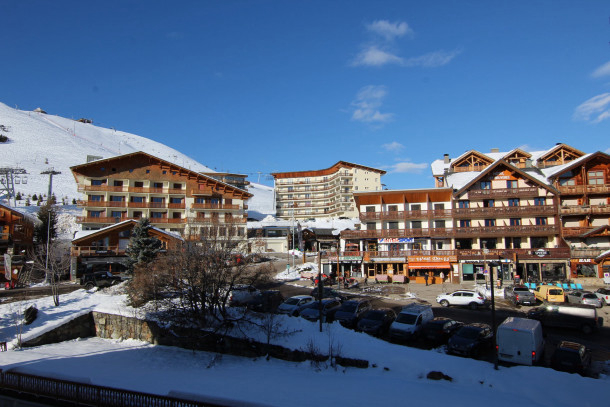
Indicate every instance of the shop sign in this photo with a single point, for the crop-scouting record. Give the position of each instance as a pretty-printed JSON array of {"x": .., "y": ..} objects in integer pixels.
[
  {"x": 504, "y": 175},
  {"x": 350, "y": 258},
  {"x": 423, "y": 259},
  {"x": 585, "y": 261},
  {"x": 396, "y": 240},
  {"x": 541, "y": 253}
]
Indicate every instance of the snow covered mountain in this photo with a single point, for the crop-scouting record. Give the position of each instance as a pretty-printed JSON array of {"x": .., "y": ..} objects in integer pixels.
[{"x": 38, "y": 142}]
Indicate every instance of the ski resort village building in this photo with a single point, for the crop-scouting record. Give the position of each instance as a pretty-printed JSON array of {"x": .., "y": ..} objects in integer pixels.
[
  {"x": 16, "y": 238},
  {"x": 174, "y": 198},
  {"x": 538, "y": 216},
  {"x": 324, "y": 193}
]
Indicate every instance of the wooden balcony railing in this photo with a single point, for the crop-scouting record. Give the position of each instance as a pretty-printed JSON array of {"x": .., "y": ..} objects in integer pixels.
[
  {"x": 76, "y": 251},
  {"x": 400, "y": 215},
  {"x": 502, "y": 193},
  {"x": 587, "y": 253},
  {"x": 585, "y": 209},
  {"x": 584, "y": 189},
  {"x": 125, "y": 188},
  {"x": 485, "y": 231},
  {"x": 469, "y": 168},
  {"x": 505, "y": 211},
  {"x": 575, "y": 231},
  {"x": 209, "y": 206}
]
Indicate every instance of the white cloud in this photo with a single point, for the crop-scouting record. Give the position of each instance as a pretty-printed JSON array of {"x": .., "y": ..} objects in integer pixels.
[
  {"x": 432, "y": 59},
  {"x": 389, "y": 30},
  {"x": 607, "y": 151},
  {"x": 594, "y": 110},
  {"x": 410, "y": 167},
  {"x": 603, "y": 70},
  {"x": 393, "y": 146},
  {"x": 374, "y": 56},
  {"x": 367, "y": 103}
]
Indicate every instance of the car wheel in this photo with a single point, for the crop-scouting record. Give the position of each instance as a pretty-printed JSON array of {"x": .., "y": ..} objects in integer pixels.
[
  {"x": 586, "y": 329},
  {"x": 444, "y": 303},
  {"x": 89, "y": 286},
  {"x": 473, "y": 305}
]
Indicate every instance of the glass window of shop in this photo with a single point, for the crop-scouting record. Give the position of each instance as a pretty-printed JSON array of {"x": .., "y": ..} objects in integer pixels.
[
  {"x": 467, "y": 272},
  {"x": 586, "y": 270},
  {"x": 553, "y": 271},
  {"x": 532, "y": 272}
]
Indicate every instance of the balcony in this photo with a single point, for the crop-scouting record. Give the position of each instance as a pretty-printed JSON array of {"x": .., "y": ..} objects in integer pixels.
[
  {"x": 210, "y": 206},
  {"x": 469, "y": 168},
  {"x": 470, "y": 254},
  {"x": 125, "y": 188},
  {"x": 76, "y": 251},
  {"x": 502, "y": 193},
  {"x": 584, "y": 189},
  {"x": 402, "y": 215},
  {"x": 505, "y": 211},
  {"x": 484, "y": 231},
  {"x": 587, "y": 253},
  {"x": 567, "y": 210},
  {"x": 575, "y": 231}
]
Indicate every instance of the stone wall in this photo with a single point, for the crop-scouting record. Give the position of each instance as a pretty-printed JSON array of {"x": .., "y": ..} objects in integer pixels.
[{"x": 80, "y": 327}]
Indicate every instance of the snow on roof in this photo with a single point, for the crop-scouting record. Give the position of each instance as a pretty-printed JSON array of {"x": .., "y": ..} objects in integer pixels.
[{"x": 83, "y": 233}]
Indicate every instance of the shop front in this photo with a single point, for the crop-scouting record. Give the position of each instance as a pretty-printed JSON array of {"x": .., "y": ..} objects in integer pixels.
[
  {"x": 438, "y": 269},
  {"x": 584, "y": 268}
]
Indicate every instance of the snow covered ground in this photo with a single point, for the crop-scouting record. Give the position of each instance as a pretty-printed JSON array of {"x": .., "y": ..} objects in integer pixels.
[{"x": 397, "y": 375}]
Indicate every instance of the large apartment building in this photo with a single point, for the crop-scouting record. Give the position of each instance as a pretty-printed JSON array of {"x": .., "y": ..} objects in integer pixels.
[
  {"x": 323, "y": 193},
  {"x": 174, "y": 198},
  {"x": 542, "y": 216}
]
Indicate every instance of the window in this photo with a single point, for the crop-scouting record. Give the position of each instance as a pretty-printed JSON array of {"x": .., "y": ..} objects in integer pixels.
[
  {"x": 98, "y": 182},
  {"x": 565, "y": 182},
  {"x": 541, "y": 221},
  {"x": 137, "y": 199},
  {"x": 513, "y": 202},
  {"x": 175, "y": 200},
  {"x": 485, "y": 184},
  {"x": 118, "y": 183},
  {"x": 439, "y": 224},
  {"x": 511, "y": 184},
  {"x": 488, "y": 203},
  {"x": 416, "y": 207},
  {"x": 416, "y": 224},
  {"x": 138, "y": 184},
  {"x": 515, "y": 221},
  {"x": 393, "y": 225},
  {"x": 177, "y": 186},
  {"x": 463, "y": 204},
  {"x": 158, "y": 185},
  {"x": 95, "y": 198},
  {"x": 116, "y": 198},
  {"x": 490, "y": 222},
  {"x": 116, "y": 214},
  {"x": 392, "y": 208},
  {"x": 158, "y": 199},
  {"x": 95, "y": 214},
  {"x": 540, "y": 201},
  {"x": 595, "y": 177},
  {"x": 157, "y": 215},
  {"x": 137, "y": 214},
  {"x": 371, "y": 226},
  {"x": 465, "y": 223}
]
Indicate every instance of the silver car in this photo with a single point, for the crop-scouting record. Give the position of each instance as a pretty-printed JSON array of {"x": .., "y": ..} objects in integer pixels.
[
  {"x": 584, "y": 297},
  {"x": 293, "y": 305}
]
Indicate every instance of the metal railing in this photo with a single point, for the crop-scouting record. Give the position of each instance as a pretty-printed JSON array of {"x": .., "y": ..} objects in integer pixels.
[{"x": 89, "y": 394}]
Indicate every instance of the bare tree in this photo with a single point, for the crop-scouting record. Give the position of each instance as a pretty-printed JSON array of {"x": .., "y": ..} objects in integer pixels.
[
  {"x": 195, "y": 282},
  {"x": 51, "y": 266}
]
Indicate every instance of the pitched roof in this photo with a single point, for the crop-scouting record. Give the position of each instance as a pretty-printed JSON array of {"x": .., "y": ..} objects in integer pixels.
[
  {"x": 330, "y": 170},
  {"x": 81, "y": 235},
  {"x": 79, "y": 167}
]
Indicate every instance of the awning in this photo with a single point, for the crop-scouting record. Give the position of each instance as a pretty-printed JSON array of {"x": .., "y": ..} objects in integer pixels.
[{"x": 430, "y": 265}]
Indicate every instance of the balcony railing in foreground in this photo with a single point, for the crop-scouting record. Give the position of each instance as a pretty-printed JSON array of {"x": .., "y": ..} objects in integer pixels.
[{"x": 452, "y": 232}]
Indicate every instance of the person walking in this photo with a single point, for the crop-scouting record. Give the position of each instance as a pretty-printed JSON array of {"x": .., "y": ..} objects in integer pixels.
[
  {"x": 426, "y": 278},
  {"x": 442, "y": 276}
]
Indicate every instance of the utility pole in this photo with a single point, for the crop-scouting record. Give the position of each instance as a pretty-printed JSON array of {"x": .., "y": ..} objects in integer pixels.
[{"x": 51, "y": 171}]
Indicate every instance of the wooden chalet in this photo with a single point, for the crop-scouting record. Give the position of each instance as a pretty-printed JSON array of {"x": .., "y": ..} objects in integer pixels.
[
  {"x": 105, "y": 249},
  {"x": 16, "y": 240}
]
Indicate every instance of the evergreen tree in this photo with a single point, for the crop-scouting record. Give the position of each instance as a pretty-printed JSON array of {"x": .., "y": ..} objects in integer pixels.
[
  {"x": 73, "y": 201},
  {"x": 35, "y": 197},
  {"x": 46, "y": 214},
  {"x": 143, "y": 248},
  {"x": 18, "y": 196}
]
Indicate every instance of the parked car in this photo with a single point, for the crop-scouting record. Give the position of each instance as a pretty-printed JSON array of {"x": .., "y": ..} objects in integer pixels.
[
  {"x": 584, "y": 297},
  {"x": 350, "y": 312},
  {"x": 470, "y": 340},
  {"x": 519, "y": 295},
  {"x": 265, "y": 301},
  {"x": 468, "y": 298},
  {"x": 376, "y": 321},
  {"x": 292, "y": 306},
  {"x": 311, "y": 311},
  {"x": 328, "y": 292},
  {"x": 583, "y": 317},
  {"x": 549, "y": 293},
  {"x": 520, "y": 341},
  {"x": 99, "y": 279},
  {"x": 571, "y": 357},
  {"x": 604, "y": 295},
  {"x": 409, "y": 321},
  {"x": 440, "y": 329},
  {"x": 241, "y": 294}
]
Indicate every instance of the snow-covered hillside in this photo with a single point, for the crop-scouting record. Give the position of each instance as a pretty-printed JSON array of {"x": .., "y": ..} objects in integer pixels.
[{"x": 38, "y": 142}]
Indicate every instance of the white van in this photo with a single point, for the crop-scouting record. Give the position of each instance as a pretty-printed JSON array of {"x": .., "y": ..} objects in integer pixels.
[
  {"x": 409, "y": 321},
  {"x": 520, "y": 340}
]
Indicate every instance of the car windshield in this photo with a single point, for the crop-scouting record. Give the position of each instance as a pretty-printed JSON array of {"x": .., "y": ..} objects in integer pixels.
[
  {"x": 521, "y": 289},
  {"x": 590, "y": 296},
  {"x": 406, "y": 318},
  {"x": 468, "y": 332},
  {"x": 292, "y": 301},
  {"x": 374, "y": 316},
  {"x": 348, "y": 307}
]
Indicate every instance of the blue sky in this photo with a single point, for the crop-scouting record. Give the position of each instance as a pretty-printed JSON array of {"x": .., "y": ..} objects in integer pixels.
[{"x": 274, "y": 86}]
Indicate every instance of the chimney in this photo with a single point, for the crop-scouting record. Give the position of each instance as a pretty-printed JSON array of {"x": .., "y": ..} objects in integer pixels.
[
  {"x": 495, "y": 150},
  {"x": 446, "y": 159}
]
